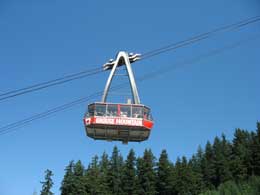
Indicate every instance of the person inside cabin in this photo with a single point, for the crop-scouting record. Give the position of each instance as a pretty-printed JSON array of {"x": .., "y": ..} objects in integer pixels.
[
  {"x": 145, "y": 115},
  {"x": 137, "y": 112},
  {"x": 123, "y": 114},
  {"x": 111, "y": 110},
  {"x": 135, "y": 115}
]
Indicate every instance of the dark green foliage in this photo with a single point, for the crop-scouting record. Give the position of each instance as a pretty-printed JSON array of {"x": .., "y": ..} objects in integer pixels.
[
  {"x": 241, "y": 154},
  {"x": 207, "y": 165},
  {"x": 104, "y": 179},
  {"x": 79, "y": 179},
  {"x": 223, "y": 167},
  {"x": 256, "y": 151},
  {"x": 250, "y": 187},
  {"x": 163, "y": 180},
  {"x": 129, "y": 179},
  {"x": 181, "y": 177},
  {"x": 221, "y": 160},
  {"x": 73, "y": 181},
  {"x": 67, "y": 183},
  {"x": 254, "y": 183},
  {"x": 47, "y": 183},
  {"x": 115, "y": 172},
  {"x": 196, "y": 167},
  {"x": 146, "y": 174},
  {"x": 229, "y": 188},
  {"x": 185, "y": 180},
  {"x": 92, "y": 178}
]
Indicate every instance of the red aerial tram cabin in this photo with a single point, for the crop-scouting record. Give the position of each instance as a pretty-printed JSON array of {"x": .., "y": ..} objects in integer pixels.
[
  {"x": 129, "y": 122},
  {"x": 122, "y": 122}
]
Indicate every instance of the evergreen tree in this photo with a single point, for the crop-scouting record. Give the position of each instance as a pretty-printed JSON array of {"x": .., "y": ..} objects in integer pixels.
[
  {"x": 129, "y": 174},
  {"x": 92, "y": 178},
  {"x": 225, "y": 171},
  {"x": 240, "y": 154},
  {"x": 208, "y": 167},
  {"x": 146, "y": 174},
  {"x": 47, "y": 184},
  {"x": 67, "y": 183},
  {"x": 175, "y": 177},
  {"x": 196, "y": 166},
  {"x": 221, "y": 160},
  {"x": 114, "y": 173},
  {"x": 184, "y": 178},
  {"x": 250, "y": 187},
  {"x": 140, "y": 175},
  {"x": 254, "y": 183},
  {"x": 196, "y": 160},
  {"x": 73, "y": 181},
  {"x": 163, "y": 181},
  {"x": 79, "y": 180},
  {"x": 256, "y": 151},
  {"x": 104, "y": 179},
  {"x": 229, "y": 188}
]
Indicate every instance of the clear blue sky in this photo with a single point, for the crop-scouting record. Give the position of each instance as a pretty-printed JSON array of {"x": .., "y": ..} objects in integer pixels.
[{"x": 42, "y": 40}]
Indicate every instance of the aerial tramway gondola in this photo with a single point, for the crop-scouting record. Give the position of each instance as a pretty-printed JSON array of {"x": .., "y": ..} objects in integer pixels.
[{"x": 126, "y": 122}]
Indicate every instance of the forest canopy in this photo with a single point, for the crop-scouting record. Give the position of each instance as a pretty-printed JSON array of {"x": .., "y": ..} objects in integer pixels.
[{"x": 221, "y": 167}]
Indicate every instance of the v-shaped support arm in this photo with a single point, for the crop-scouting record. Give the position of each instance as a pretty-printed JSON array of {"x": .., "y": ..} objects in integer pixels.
[{"x": 122, "y": 58}]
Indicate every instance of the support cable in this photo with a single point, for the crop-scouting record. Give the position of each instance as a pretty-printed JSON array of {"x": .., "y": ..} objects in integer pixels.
[
  {"x": 149, "y": 54},
  {"x": 16, "y": 125}
]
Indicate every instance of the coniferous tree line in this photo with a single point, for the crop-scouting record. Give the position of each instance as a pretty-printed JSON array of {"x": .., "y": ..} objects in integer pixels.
[{"x": 222, "y": 167}]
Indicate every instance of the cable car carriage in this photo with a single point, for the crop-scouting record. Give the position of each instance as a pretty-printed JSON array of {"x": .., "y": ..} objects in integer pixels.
[{"x": 126, "y": 122}]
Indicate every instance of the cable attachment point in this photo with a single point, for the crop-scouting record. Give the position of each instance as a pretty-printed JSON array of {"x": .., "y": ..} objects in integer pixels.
[{"x": 131, "y": 56}]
